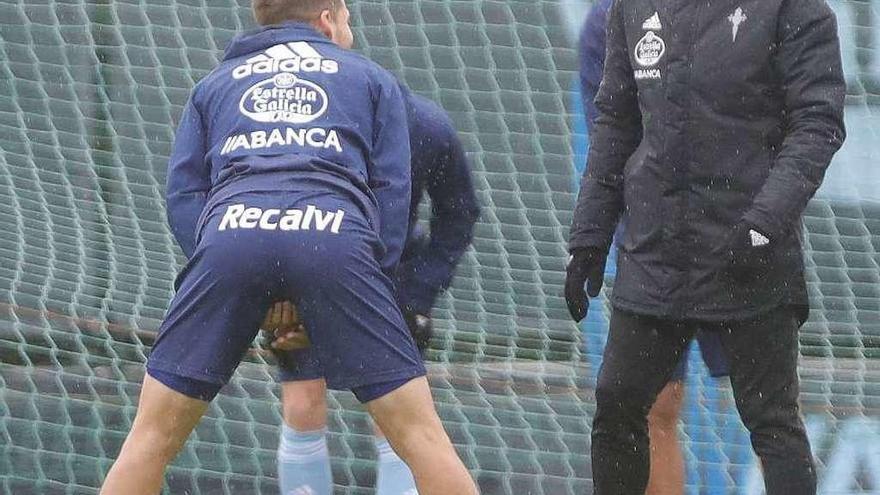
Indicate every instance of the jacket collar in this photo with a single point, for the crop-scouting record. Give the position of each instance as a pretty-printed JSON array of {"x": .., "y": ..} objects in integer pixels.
[{"x": 267, "y": 36}]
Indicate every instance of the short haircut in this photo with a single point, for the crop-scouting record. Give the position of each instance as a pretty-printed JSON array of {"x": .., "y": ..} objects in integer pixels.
[
  {"x": 306, "y": 10},
  {"x": 278, "y": 11}
]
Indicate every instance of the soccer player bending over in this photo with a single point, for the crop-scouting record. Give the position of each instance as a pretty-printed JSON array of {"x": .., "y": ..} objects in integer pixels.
[
  {"x": 440, "y": 168},
  {"x": 290, "y": 170}
]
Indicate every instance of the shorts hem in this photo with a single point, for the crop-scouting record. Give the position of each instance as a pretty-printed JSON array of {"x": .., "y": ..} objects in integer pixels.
[
  {"x": 284, "y": 376},
  {"x": 187, "y": 373},
  {"x": 388, "y": 376},
  {"x": 188, "y": 386}
]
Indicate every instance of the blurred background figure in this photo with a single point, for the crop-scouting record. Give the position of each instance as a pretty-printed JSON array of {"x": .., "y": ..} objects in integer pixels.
[{"x": 440, "y": 170}]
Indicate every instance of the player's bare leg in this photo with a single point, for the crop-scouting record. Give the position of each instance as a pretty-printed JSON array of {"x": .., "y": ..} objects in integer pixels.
[
  {"x": 303, "y": 456},
  {"x": 667, "y": 463},
  {"x": 305, "y": 404},
  {"x": 393, "y": 475},
  {"x": 164, "y": 420},
  {"x": 410, "y": 422}
]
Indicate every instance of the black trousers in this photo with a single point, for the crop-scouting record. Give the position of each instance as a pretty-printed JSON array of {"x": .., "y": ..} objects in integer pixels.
[{"x": 640, "y": 356}]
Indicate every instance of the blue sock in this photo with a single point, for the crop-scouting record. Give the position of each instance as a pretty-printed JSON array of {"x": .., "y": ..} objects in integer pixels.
[
  {"x": 393, "y": 476},
  {"x": 304, "y": 463}
]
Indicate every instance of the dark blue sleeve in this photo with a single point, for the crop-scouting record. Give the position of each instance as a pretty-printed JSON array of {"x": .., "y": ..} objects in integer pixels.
[
  {"x": 614, "y": 137},
  {"x": 189, "y": 179},
  {"x": 430, "y": 266},
  {"x": 389, "y": 171},
  {"x": 591, "y": 49},
  {"x": 814, "y": 91}
]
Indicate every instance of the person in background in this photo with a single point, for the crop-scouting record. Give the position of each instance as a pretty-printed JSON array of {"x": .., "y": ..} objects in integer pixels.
[
  {"x": 710, "y": 155},
  {"x": 440, "y": 168},
  {"x": 667, "y": 475}
]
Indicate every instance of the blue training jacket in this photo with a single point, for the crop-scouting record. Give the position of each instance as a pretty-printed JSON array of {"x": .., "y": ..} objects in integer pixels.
[
  {"x": 288, "y": 110},
  {"x": 440, "y": 168},
  {"x": 592, "y": 53}
]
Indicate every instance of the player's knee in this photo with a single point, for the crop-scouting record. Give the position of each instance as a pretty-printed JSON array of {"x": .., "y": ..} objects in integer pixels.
[
  {"x": 408, "y": 417},
  {"x": 767, "y": 413},
  {"x": 775, "y": 430},
  {"x": 666, "y": 409},
  {"x": 154, "y": 438},
  {"x": 418, "y": 437},
  {"x": 305, "y": 405},
  {"x": 781, "y": 440}
]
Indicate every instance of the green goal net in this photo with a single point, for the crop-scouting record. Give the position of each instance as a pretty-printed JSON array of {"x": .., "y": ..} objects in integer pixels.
[{"x": 89, "y": 94}]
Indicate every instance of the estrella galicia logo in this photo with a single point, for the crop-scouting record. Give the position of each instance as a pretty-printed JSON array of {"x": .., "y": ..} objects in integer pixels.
[
  {"x": 284, "y": 98},
  {"x": 650, "y": 49}
]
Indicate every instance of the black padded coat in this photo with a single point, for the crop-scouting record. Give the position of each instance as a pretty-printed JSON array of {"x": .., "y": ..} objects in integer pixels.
[{"x": 710, "y": 112}]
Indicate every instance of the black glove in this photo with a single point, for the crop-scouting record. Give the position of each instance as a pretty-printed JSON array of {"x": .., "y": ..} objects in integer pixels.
[
  {"x": 586, "y": 265},
  {"x": 420, "y": 327},
  {"x": 748, "y": 251}
]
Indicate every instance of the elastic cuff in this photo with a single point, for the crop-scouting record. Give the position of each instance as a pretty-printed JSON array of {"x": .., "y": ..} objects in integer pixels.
[
  {"x": 190, "y": 387},
  {"x": 302, "y": 447},
  {"x": 285, "y": 375},
  {"x": 291, "y": 434},
  {"x": 368, "y": 393}
]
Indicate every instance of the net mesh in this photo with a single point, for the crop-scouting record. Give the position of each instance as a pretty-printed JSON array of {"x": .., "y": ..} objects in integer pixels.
[{"x": 89, "y": 92}]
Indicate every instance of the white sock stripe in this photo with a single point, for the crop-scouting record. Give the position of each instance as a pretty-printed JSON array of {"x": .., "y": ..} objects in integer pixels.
[
  {"x": 291, "y": 435},
  {"x": 297, "y": 450},
  {"x": 300, "y": 454},
  {"x": 384, "y": 448},
  {"x": 300, "y": 446},
  {"x": 302, "y": 490}
]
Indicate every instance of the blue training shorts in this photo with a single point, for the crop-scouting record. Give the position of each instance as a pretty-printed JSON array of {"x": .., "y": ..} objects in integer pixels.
[
  {"x": 305, "y": 364},
  {"x": 315, "y": 249},
  {"x": 712, "y": 353}
]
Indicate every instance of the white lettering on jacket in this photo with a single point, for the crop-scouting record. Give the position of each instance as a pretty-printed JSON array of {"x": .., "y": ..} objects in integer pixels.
[
  {"x": 315, "y": 137},
  {"x": 240, "y": 216}
]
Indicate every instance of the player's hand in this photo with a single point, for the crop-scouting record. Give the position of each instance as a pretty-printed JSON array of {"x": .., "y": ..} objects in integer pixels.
[
  {"x": 290, "y": 339},
  {"x": 420, "y": 327},
  {"x": 748, "y": 251},
  {"x": 284, "y": 328},
  {"x": 585, "y": 266},
  {"x": 281, "y": 314}
]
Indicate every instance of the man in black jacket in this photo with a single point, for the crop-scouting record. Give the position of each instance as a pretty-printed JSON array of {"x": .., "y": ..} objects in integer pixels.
[{"x": 717, "y": 121}]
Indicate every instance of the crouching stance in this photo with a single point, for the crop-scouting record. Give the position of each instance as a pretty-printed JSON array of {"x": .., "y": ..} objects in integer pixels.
[{"x": 290, "y": 170}]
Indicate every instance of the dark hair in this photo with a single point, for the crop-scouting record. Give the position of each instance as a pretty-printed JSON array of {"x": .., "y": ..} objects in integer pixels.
[{"x": 277, "y": 11}]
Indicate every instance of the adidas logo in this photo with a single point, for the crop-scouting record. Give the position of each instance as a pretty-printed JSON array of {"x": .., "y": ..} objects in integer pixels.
[
  {"x": 758, "y": 239},
  {"x": 653, "y": 23},
  {"x": 298, "y": 56}
]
